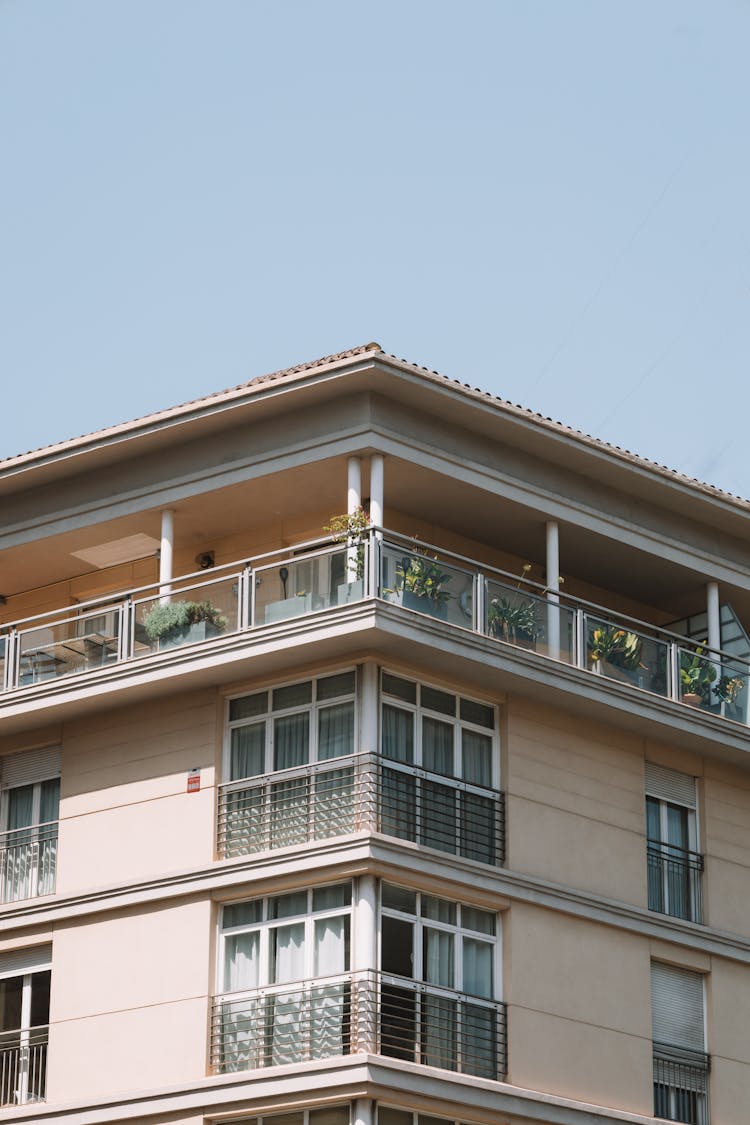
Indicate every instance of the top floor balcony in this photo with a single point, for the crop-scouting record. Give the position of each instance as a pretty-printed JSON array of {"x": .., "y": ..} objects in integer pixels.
[{"x": 317, "y": 577}]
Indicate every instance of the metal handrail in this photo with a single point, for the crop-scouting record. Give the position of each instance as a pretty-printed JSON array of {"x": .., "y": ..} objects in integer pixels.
[{"x": 354, "y": 1013}]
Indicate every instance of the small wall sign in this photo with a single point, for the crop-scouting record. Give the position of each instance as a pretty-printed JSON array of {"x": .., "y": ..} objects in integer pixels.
[{"x": 194, "y": 781}]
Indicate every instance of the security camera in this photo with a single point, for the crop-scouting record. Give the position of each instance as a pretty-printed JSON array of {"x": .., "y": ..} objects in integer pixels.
[{"x": 205, "y": 561}]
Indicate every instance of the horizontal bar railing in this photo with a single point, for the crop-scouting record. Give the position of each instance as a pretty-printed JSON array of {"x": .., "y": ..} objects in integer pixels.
[
  {"x": 28, "y": 862},
  {"x": 23, "y": 1066},
  {"x": 361, "y": 793},
  {"x": 681, "y": 1084},
  {"x": 355, "y": 1013},
  {"x": 322, "y": 575}
]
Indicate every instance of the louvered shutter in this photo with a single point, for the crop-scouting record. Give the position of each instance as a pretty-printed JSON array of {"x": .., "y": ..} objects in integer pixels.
[
  {"x": 677, "y": 1007},
  {"x": 670, "y": 785},
  {"x": 31, "y": 766},
  {"x": 16, "y": 962}
]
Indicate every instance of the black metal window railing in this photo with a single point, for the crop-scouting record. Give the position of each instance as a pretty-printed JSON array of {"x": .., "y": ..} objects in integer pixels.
[
  {"x": 675, "y": 881},
  {"x": 681, "y": 1084},
  {"x": 361, "y": 793},
  {"x": 356, "y": 1013}
]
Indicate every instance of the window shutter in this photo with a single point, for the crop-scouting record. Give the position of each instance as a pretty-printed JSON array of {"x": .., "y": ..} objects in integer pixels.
[
  {"x": 669, "y": 785},
  {"x": 16, "y": 962},
  {"x": 677, "y": 1007},
  {"x": 31, "y": 766}
]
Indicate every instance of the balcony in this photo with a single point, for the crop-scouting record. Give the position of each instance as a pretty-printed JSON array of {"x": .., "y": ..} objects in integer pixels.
[
  {"x": 156, "y": 623},
  {"x": 28, "y": 862},
  {"x": 23, "y": 1066},
  {"x": 681, "y": 1084},
  {"x": 674, "y": 881},
  {"x": 361, "y": 793},
  {"x": 356, "y": 1013}
]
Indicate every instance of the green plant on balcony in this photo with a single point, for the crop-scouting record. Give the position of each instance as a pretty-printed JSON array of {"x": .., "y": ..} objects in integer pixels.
[
  {"x": 351, "y": 528},
  {"x": 728, "y": 688},
  {"x": 616, "y": 647},
  {"x": 697, "y": 674},
  {"x": 512, "y": 619},
  {"x": 174, "y": 622},
  {"x": 420, "y": 579}
]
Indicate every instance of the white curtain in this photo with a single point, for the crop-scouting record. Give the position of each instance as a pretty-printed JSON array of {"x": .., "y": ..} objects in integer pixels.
[
  {"x": 398, "y": 734},
  {"x": 437, "y": 746},
  {"x": 289, "y": 1022},
  {"x": 291, "y": 741},
  {"x": 242, "y": 1019},
  {"x": 439, "y": 963},
  {"x": 477, "y": 966},
  {"x": 19, "y": 854},
  {"x": 477, "y": 758},
  {"x": 248, "y": 751},
  {"x": 334, "y": 803},
  {"x": 328, "y": 1005},
  {"x": 336, "y": 731},
  {"x": 49, "y": 812}
]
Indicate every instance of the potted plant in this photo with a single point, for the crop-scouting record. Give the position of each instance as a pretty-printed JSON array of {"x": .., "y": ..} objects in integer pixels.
[
  {"x": 513, "y": 619},
  {"x": 697, "y": 673},
  {"x": 177, "y": 623},
  {"x": 728, "y": 688},
  {"x": 421, "y": 580},
  {"x": 615, "y": 652},
  {"x": 351, "y": 528}
]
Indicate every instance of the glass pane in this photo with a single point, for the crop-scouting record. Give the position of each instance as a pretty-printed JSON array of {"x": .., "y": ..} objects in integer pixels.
[
  {"x": 402, "y": 689},
  {"x": 477, "y": 967},
  {"x": 677, "y": 826},
  {"x": 476, "y": 753},
  {"x": 397, "y": 946},
  {"x": 248, "y": 706},
  {"x": 441, "y": 701},
  {"x": 439, "y": 909},
  {"x": 439, "y": 1032},
  {"x": 398, "y": 805},
  {"x": 331, "y": 952},
  {"x": 49, "y": 801},
  {"x": 389, "y": 1116},
  {"x": 11, "y": 994},
  {"x": 335, "y": 1115},
  {"x": 20, "y": 806},
  {"x": 248, "y": 751},
  {"x": 481, "y": 921},
  {"x": 438, "y": 957},
  {"x": 398, "y": 898},
  {"x": 478, "y": 713},
  {"x": 398, "y": 734},
  {"x": 479, "y": 1035},
  {"x": 40, "y": 985},
  {"x": 286, "y": 906},
  {"x": 242, "y": 914},
  {"x": 294, "y": 695},
  {"x": 438, "y": 816},
  {"x": 331, "y": 686},
  {"x": 288, "y": 953},
  {"x": 184, "y": 617},
  {"x": 437, "y": 746},
  {"x": 241, "y": 962},
  {"x": 291, "y": 741},
  {"x": 336, "y": 731},
  {"x": 653, "y": 818},
  {"x": 478, "y": 828},
  {"x": 328, "y": 898}
]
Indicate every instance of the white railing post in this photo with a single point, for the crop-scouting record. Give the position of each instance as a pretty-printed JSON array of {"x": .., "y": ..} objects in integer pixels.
[
  {"x": 125, "y": 637},
  {"x": 673, "y": 671},
  {"x": 244, "y": 598},
  {"x": 553, "y": 587},
  {"x": 580, "y": 638},
  {"x": 10, "y": 675},
  {"x": 165, "y": 554},
  {"x": 480, "y": 599}
]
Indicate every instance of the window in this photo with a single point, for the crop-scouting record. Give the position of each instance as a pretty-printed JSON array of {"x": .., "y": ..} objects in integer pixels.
[
  {"x": 681, "y": 1065},
  {"x": 24, "y": 1019},
  {"x": 282, "y": 790},
  {"x": 674, "y": 864},
  {"x": 29, "y": 811},
  {"x": 325, "y": 1115},
  {"x": 452, "y": 948},
  {"x": 272, "y": 948},
  {"x": 439, "y": 784}
]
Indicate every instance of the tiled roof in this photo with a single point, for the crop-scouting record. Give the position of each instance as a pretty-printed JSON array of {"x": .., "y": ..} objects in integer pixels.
[{"x": 341, "y": 358}]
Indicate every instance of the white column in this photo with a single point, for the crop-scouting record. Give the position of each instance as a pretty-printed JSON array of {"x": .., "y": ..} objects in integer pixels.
[
  {"x": 713, "y": 615},
  {"x": 166, "y": 553},
  {"x": 376, "y": 489},
  {"x": 553, "y": 586},
  {"x": 353, "y": 485},
  {"x": 364, "y": 964},
  {"x": 364, "y": 1112}
]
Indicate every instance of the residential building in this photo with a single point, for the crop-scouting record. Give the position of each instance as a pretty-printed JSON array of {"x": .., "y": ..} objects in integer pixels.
[{"x": 372, "y": 752}]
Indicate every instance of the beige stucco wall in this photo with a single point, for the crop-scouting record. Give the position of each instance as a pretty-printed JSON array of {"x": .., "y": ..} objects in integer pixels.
[
  {"x": 726, "y": 839},
  {"x": 579, "y": 1020},
  {"x": 125, "y": 813},
  {"x": 129, "y": 1006},
  {"x": 576, "y": 810}
]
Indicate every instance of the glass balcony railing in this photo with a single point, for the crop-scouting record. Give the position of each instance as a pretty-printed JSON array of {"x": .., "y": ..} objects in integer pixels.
[
  {"x": 320, "y": 577},
  {"x": 361, "y": 793},
  {"x": 354, "y": 1013}
]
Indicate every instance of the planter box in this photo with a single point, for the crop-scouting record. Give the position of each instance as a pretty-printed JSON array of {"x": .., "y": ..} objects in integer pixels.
[
  {"x": 293, "y": 607},
  {"x": 350, "y": 592},
  {"x": 424, "y": 605},
  {"x": 190, "y": 635}
]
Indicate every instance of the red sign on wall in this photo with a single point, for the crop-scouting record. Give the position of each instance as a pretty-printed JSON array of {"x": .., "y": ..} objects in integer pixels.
[{"x": 194, "y": 781}]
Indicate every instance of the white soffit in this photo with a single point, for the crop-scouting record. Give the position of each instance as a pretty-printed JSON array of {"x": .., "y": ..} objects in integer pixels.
[{"x": 119, "y": 551}]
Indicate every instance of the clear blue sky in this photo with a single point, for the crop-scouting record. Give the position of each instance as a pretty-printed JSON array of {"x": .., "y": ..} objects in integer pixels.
[{"x": 548, "y": 199}]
